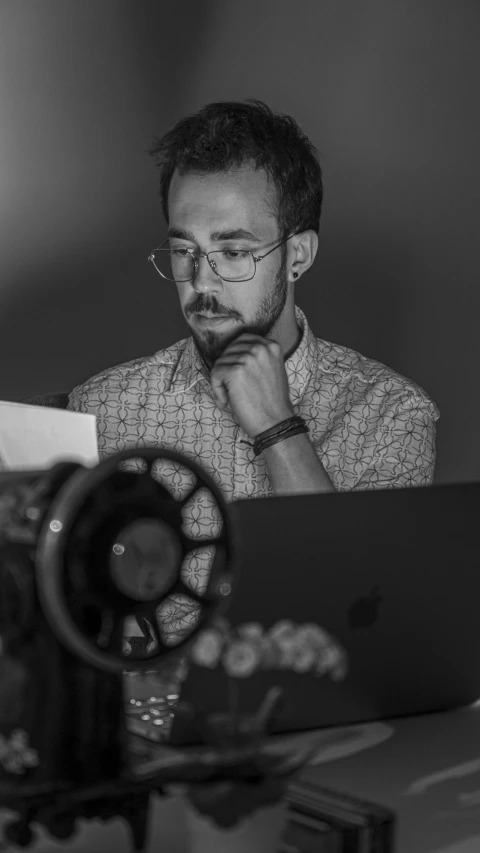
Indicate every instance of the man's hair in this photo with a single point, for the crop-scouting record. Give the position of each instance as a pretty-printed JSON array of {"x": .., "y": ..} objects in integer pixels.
[{"x": 231, "y": 134}]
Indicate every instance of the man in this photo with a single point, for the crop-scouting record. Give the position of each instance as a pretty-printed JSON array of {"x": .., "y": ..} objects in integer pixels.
[
  {"x": 239, "y": 180},
  {"x": 241, "y": 191}
]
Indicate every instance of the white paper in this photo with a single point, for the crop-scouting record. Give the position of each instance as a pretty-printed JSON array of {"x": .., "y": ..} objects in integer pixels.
[{"x": 38, "y": 437}]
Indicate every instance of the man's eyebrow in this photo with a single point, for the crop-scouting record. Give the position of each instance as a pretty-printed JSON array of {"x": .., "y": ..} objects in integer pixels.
[
  {"x": 234, "y": 234},
  {"x": 181, "y": 234},
  {"x": 228, "y": 234}
]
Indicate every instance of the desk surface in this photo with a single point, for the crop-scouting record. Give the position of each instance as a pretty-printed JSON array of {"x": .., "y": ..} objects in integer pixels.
[{"x": 426, "y": 768}]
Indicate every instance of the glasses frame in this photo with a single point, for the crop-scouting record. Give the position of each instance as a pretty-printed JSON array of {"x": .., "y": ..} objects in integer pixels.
[{"x": 256, "y": 260}]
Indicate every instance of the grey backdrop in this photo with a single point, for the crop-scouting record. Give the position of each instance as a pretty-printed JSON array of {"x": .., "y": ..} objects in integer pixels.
[{"x": 387, "y": 90}]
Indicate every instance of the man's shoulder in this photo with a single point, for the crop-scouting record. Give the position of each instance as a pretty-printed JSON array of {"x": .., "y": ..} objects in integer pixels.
[
  {"x": 130, "y": 374},
  {"x": 351, "y": 369},
  {"x": 344, "y": 362}
]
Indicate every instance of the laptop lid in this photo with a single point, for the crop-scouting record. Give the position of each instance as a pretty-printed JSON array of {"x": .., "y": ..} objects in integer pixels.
[{"x": 393, "y": 575}]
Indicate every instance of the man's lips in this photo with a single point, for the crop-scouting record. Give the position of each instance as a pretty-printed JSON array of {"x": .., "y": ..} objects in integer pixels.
[{"x": 211, "y": 318}]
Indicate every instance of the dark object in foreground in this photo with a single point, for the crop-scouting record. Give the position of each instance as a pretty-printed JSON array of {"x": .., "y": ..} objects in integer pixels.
[
  {"x": 65, "y": 599},
  {"x": 319, "y": 819},
  {"x": 63, "y": 604}
]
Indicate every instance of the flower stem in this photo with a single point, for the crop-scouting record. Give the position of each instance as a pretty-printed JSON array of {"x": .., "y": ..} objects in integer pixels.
[{"x": 269, "y": 707}]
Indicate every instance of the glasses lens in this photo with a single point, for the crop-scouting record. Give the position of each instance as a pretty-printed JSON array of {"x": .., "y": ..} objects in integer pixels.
[
  {"x": 174, "y": 265},
  {"x": 233, "y": 265}
]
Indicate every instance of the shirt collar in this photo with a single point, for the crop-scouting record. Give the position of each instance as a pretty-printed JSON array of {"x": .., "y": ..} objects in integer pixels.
[
  {"x": 191, "y": 367},
  {"x": 300, "y": 365}
]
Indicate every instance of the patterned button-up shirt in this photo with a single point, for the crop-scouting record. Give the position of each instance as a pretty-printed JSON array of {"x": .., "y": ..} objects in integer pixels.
[{"x": 371, "y": 427}]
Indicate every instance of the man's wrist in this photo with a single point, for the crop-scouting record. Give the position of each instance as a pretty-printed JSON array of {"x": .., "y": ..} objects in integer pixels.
[
  {"x": 294, "y": 425},
  {"x": 272, "y": 423},
  {"x": 293, "y": 467}
]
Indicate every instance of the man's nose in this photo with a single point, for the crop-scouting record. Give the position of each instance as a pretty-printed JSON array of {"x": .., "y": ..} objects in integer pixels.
[{"x": 205, "y": 279}]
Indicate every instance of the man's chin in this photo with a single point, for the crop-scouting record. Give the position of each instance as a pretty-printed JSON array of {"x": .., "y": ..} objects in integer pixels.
[{"x": 211, "y": 344}]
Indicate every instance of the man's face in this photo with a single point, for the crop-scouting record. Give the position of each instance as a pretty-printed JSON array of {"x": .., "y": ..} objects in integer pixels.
[{"x": 208, "y": 213}]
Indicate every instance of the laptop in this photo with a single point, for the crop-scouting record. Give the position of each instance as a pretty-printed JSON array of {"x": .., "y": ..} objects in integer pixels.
[{"x": 393, "y": 576}]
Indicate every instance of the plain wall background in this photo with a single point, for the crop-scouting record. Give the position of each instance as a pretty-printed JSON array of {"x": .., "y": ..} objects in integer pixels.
[{"x": 387, "y": 90}]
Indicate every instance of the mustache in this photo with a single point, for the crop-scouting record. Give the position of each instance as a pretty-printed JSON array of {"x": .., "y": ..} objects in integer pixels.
[{"x": 208, "y": 305}]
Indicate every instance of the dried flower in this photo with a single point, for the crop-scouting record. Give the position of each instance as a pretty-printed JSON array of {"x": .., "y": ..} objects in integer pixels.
[
  {"x": 251, "y": 630},
  {"x": 241, "y": 658},
  {"x": 282, "y": 631},
  {"x": 283, "y": 637},
  {"x": 303, "y": 658},
  {"x": 333, "y": 660},
  {"x": 313, "y": 635},
  {"x": 207, "y": 648},
  {"x": 15, "y": 754},
  {"x": 244, "y": 649}
]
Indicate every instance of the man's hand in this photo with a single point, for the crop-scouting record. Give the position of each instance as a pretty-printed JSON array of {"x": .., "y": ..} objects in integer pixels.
[{"x": 250, "y": 376}]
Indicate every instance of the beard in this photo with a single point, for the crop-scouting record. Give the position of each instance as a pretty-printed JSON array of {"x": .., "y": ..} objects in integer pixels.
[{"x": 212, "y": 344}]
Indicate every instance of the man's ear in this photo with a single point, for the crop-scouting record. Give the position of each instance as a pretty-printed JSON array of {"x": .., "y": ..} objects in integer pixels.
[{"x": 302, "y": 252}]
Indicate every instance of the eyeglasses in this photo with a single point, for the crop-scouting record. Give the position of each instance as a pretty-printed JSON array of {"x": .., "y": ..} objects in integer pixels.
[{"x": 181, "y": 265}]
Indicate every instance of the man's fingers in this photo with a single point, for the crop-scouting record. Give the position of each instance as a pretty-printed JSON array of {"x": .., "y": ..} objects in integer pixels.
[
  {"x": 219, "y": 391},
  {"x": 242, "y": 355},
  {"x": 245, "y": 342}
]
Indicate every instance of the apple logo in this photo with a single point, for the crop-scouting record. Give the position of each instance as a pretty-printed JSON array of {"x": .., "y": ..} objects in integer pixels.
[{"x": 364, "y": 611}]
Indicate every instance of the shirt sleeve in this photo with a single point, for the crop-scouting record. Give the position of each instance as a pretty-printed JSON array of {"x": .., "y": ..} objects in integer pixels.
[
  {"x": 74, "y": 404},
  {"x": 405, "y": 449}
]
